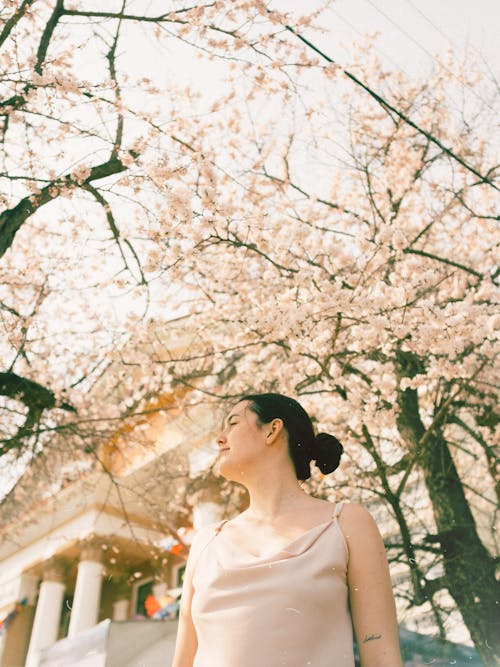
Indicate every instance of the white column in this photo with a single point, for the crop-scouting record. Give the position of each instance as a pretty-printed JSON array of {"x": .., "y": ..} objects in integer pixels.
[
  {"x": 206, "y": 512},
  {"x": 47, "y": 614},
  {"x": 120, "y": 610},
  {"x": 17, "y": 589},
  {"x": 206, "y": 505},
  {"x": 87, "y": 597},
  {"x": 28, "y": 584}
]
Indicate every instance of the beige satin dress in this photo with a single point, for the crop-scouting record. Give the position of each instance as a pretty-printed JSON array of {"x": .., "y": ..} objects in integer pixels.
[{"x": 289, "y": 609}]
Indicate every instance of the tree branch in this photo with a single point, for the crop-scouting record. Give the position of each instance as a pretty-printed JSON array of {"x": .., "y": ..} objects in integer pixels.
[
  {"x": 443, "y": 260},
  {"x": 14, "y": 19},
  {"x": 47, "y": 35},
  {"x": 37, "y": 400},
  {"x": 390, "y": 108},
  {"x": 12, "y": 219}
]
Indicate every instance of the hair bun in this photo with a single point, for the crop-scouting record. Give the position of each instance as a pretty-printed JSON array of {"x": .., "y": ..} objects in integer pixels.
[{"x": 327, "y": 451}]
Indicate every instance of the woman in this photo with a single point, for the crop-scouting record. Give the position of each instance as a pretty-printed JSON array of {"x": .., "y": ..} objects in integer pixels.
[{"x": 285, "y": 581}]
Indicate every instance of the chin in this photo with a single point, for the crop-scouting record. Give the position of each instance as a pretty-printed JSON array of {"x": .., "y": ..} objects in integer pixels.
[
  {"x": 220, "y": 469},
  {"x": 224, "y": 469}
]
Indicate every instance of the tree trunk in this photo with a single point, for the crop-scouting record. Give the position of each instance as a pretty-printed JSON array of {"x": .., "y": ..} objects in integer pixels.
[{"x": 468, "y": 566}]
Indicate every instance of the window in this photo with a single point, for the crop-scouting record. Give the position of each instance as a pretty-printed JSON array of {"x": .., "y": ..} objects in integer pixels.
[
  {"x": 180, "y": 575},
  {"x": 65, "y": 616},
  {"x": 177, "y": 576},
  {"x": 141, "y": 591}
]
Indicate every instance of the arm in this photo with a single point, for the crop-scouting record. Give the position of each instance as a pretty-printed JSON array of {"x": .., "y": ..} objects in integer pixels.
[
  {"x": 370, "y": 591},
  {"x": 186, "y": 642}
]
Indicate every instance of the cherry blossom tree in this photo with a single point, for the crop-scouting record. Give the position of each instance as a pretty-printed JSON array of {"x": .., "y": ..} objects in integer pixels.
[{"x": 300, "y": 234}]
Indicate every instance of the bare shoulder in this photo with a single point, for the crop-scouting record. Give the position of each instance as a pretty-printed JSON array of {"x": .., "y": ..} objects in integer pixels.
[
  {"x": 355, "y": 514},
  {"x": 360, "y": 530}
]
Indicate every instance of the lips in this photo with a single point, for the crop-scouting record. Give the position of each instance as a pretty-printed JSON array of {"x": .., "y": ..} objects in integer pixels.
[{"x": 224, "y": 449}]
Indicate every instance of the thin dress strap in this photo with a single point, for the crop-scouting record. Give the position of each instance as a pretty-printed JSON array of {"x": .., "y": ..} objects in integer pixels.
[
  {"x": 219, "y": 527},
  {"x": 338, "y": 509},
  {"x": 207, "y": 541}
]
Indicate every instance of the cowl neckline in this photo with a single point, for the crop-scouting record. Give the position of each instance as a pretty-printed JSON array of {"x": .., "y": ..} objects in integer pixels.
[{"x": 295, "y": 547}]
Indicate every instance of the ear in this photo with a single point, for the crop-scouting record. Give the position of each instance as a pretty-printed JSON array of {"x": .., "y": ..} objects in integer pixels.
[{"x": 274, "y": 430}]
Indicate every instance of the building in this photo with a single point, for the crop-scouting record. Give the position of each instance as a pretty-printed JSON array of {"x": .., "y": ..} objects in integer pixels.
[{"x": 102, "y": 538}]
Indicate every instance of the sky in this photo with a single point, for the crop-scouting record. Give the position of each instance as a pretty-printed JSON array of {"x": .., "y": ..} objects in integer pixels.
[
  {"x": 411, "y": 31},
  {"x": 409, "y": 34}
]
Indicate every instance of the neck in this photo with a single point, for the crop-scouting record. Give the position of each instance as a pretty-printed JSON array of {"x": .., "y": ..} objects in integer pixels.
[{"x": 272, "y": 496}]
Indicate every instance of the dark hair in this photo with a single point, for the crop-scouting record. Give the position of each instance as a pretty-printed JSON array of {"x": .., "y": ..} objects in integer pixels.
[{"x": 303, "y": 445}]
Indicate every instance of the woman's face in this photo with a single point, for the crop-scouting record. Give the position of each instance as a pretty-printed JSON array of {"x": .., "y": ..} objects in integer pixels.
[{"x": 241, "y": 443}]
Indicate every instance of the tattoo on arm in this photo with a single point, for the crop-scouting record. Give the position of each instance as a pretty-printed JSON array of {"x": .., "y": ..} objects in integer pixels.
[{"x": 369, "y": 638}]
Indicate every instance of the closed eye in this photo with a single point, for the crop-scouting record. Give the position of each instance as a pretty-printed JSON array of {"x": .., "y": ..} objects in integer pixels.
[{"x": 230, "y": 420}]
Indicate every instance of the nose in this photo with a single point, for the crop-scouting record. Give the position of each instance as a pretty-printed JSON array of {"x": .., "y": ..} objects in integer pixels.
[{"x": 221, "y": 439}]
